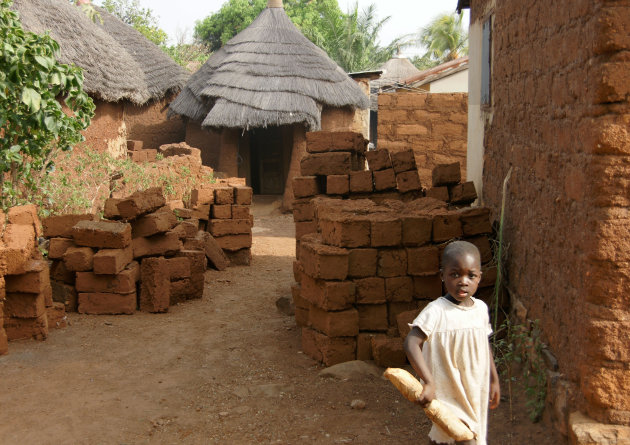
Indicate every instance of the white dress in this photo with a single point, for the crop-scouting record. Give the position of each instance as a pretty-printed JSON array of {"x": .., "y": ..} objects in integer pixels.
[{"x": 457, "y": 353}]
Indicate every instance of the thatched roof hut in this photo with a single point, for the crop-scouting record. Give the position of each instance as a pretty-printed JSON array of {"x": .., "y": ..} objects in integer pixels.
[
  {"x": 119, "y": 63},
  {"x": 267, "y": 75}
]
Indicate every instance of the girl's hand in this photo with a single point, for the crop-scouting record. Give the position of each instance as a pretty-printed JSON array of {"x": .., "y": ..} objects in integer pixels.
[
  {"x": 427, "y": 396},
  {"x": 495, "y": 394}
]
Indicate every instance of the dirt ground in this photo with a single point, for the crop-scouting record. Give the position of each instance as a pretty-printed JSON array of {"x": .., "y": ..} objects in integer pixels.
[{"x": 224, "y": 369}]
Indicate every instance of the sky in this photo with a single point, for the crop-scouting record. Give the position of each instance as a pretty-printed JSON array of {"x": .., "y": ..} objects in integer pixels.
[{"x": 177, "y": 17}]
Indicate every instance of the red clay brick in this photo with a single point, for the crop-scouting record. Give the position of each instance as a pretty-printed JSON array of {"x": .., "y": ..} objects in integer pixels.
[
  {"x": 408, "y": 181},
  {"x": 110, "y": 210},
  {"x": 221, "y": 227},
  {"x": 337, "y": 184},
  {"x": 361, "y": 182},
  {"x": 61, "y": 225},
  {"x": 328, "y": 295},
  {"x": 112, "y": 261},
  {"x": 102, "y": 234},
  {"x": 234, "y": 242},
  {"x": 4, "y": 342},
  {"x": 137, "y": 156},
  {"x": 392, "y": 262},
  {"x": 440, "y": 193},
  {"x": 58, "y": 246},
  {"x": 364, "y": 346},
  {"x": 26, "y": 215},
  {"x": 25, "y": 328},
  {"x": 183, "y": 213},
  {"x": 446, "y": 174},
  {"x": 59, "y": 272},
  {"x": 416, "y": 230},
  {"x": 370, "y": 290},
  {"x": 79, "y": 259},
  {"x": 134, "y": 145},
  {"x": 322, "y": 261},
  {"x": 298, "y": 300},
  {"x": 24, "y": 305},
  {"x": 99, "y": 303},
  {"x": 362, "y": 263},
  {"x": 334, "y": 324},
  {"x": 197, "y": 261},
  {"x": 121, "y": 283},
  {"x": 303, "y": 210},
  {"x": 384, "y": 180},
  {"x": 386, "y": 230},
  {"x": 243, "y": 195},
  {"x": 378, "y": 159},
  {"x": 332, "y": 163},
  {"x": 475, "y": 221},
  {"x": 399, "y": 289},
  {"x": 160, "y": 221},
  {"x": 65, "y": 294},
  {"x": 178, "y": 267},
  {"x": 429, "y": 286},
  {"x": 240, "y": 211},
  {"x": 151, "y": 154},
  {"x": 372, "y": 317},
  {"x": 190, "y": 227},
  {"x": 329, "y": 350},
  {"x": 213, "y": 251},
  {"x": 423, "y": 261},
  {"x": 34, "y": 279},
  {"x": 324, "y": 141},
  {"x": 403, "y": 161},
  {"x": 396, "y": 307},
  {"x": 304, "y": 228},
  {"x": 388, "y": 352},
  {"x": 202, "y": 211},
  {"x": 464, "y": 193},
  {"x": 446, "y": 227},
  {"x": 164, "y": 244},
  {"x": 298, "y": 270},
  {"x": 203, "y": 195},
  {"x": 305, "y": 186},
  {"x": 224, "y": 195},
  {"x": 141, "y": 202},
  {"x": 19, "y": 245},
  {"x": 301, "y": 317},
  {"x": 345, "y": 230},
  {"x": 484, "y": 246},
  {"x": 221, "y": 211},
  {"x": 155, "y": 285},
  {"x": 403, "y": 319}
]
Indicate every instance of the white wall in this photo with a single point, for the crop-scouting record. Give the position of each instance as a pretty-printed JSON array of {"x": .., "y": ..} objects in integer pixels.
[
  {"x": 456, "y": 83},
  {"x": 474, "y": 156}
]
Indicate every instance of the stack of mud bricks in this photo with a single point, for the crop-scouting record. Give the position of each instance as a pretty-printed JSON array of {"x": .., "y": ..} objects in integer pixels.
[
  {"x": 447, "y": 186},
  {"x": 135, "y": 259},
  {"x": 335, "y": 166},
  {"x": 26, "y": 306},
  {"x": 223, "y": 210},
  {"x": 137, "y": 153},
  {"x": 371, "y": 268}
]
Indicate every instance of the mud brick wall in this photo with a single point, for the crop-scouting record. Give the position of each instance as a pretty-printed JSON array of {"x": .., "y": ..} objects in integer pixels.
[
  {"x": 561, "y": 119},
  {"x": 433, "y": 125},
  {"x": 149, "y": 123}
]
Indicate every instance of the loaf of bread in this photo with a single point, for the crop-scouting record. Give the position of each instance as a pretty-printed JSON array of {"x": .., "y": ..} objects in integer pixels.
[{"x": 437, "y": 412}]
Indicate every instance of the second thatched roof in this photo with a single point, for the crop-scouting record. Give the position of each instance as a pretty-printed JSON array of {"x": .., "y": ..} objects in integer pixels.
[
  {"x": 267, "y": 75},
  {"x": 118, "y": 62}
]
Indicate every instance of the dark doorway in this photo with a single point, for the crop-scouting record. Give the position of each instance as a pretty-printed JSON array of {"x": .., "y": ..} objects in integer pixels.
[{"x": 269, "y": 151}]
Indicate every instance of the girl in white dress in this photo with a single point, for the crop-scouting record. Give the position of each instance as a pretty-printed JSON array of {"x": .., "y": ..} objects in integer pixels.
[{"x": 448, "y": 346}]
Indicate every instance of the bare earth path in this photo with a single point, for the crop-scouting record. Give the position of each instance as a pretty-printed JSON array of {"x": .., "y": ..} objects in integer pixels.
[{"x": 224, "y": 369}]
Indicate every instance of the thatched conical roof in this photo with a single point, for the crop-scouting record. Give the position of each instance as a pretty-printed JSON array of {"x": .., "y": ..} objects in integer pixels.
[
  {"x": 118, "y": 62},
  {"x": 395, "y": 70},
  {"x": 267, "y": 75}
]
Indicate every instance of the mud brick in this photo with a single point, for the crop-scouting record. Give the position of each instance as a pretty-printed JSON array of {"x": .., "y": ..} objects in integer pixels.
[
  {"x": 4, "y": 342},
  {"x": 427, "y": 287},
  {"x": 446, "y": 174},
  {"x": 329, "y": 350},
  {"x": 408, "y": 181},
  {"x": 112, "y": 261},
  {"x": 361, "y": 181},
  {"x": 370, "y": 290},
  {"x": 141, "y": 202},
  {"x": 24, "y": 305},
  {"x": 59, "y": 272},
  {"x": 332, "y": 163},
  {"x": 102, "y": 234},
  {"x": 344, "y": 230},
  {"x": 25, "y": 328},
  {"x": 65, "y": 294},
  {"x": 446, "y": 227},
  {"x": 58, "y": 246},
  {"x": 213, "y": 251},
  {"x": 303, "y": 210},
  {"x": 221, "y": 227},
  {"x": 476, "y": 221},
  {"x": 99, "y": 303},
  {"x": 372, "y": 317},
  {"x": 110, "y": 210},
  {"x": 440, "y": 193},
  {"x": 322, "y": 261},
  {"x": 403, "y": 161},
  {"x": 26, "y": 215},
  {"x": 392, "y": 263},
  {"x": 240, "y": 211},
  {"x": 488, "y": 276},
  {"x": 378, "y": 159},
  {"x": 384, "y": 180},
  {"x": 178, "y": 267},
  {"x": 305, "y": 186},
  {"x": 337, "y": 184},
  {"x": 221, "y": 211},
  {"x": 197, "y": 261},
  {"x": 243, "y": 195},
  {"x": 323, "y": 141},
  {"x": 298, "y": 300},
  {"x": 156, "y": 245},
  {"x": 35, "y": 279},
  {"x": 423, "y": 261},
  {"x": 183, "y": 213},
  {"x": 334, "y": 324},
  {"x": 187, "y": 288},
  {"x": 61, "y": 225},
  {"x": 242, "y": 257},
  {"x": 464, "y": 193},
  {"x": 203, "y": 195},
  {"x": 304, "y": 228},
  {"x": 137, "y": 156},
  {"x": 298, "y": 270},
  {"x": 484, "y": 246},
  {"x": 416, "y": 230},
  {"x": 328, "y": 295},
  {"x": 396, "y": 307},
  {"x": 235, "y": 181},
  {"x": 56, "y": 316},
  {"x": 404, "y": 319},
  {"x": 193, "y": 244},
  {"x": 160, "y": 221},
  {"x": 362, "y": 263},
  {"x": 234, "y": 242},
  {"x": 78, "y": 259},
  {"x": 155, "y": 285},
  {"x": 224, "y": 195},
  {"x": 301, "y": 317},
  {"x": 388, "y": 352},
  {"x": 399, "y": 289},
  {"x": 134, "y": 145},
  {"x": 386, "y": 230},
  {"x": 189, "y": 228},
  {"x": 19, "y": 245},
  {"x": 121, "y": 283},
  {"x": 364, "y": 346},
  {"x": 202, "y": 211}
]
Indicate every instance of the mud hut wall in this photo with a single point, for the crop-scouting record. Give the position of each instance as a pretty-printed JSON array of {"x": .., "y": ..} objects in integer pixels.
[
  {"x": 434, "y": 125},
  {"x": 297, "y": 153},
  {"x": 346, "y": 119},
  {"x": 208, "y": 141},
  {"x": 107, "y": 131},
  {"x": 149, "y": 124},
  {"x": 559, "y": 117}
]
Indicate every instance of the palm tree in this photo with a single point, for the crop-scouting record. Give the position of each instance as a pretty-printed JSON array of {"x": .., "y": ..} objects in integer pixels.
[{"x": 445, "y": 39}]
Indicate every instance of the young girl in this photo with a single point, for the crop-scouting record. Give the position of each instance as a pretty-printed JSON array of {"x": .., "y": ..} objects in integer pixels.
[{"x": 448, "y": 346}]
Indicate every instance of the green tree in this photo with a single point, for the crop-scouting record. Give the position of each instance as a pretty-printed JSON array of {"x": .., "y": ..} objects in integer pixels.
[
  {"x": 142, "y": 19},
  {"x": 444, "y": 38},
  {"x": 33, "y": 126}
]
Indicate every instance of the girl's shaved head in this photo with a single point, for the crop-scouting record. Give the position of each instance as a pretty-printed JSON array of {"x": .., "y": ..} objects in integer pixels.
[{"x": 458, "y": 249}]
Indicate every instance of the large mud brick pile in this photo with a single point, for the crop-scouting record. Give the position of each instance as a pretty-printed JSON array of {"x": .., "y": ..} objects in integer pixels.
[
  {"x": 447, "y": 185},
  {"x": 335, "y": 166},
  {"x": 371, "y": 268},
  {"x": 27, "y": 309}
]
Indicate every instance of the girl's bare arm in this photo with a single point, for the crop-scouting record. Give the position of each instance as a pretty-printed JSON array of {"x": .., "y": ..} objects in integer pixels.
[{"x": 413, "y": 347}]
